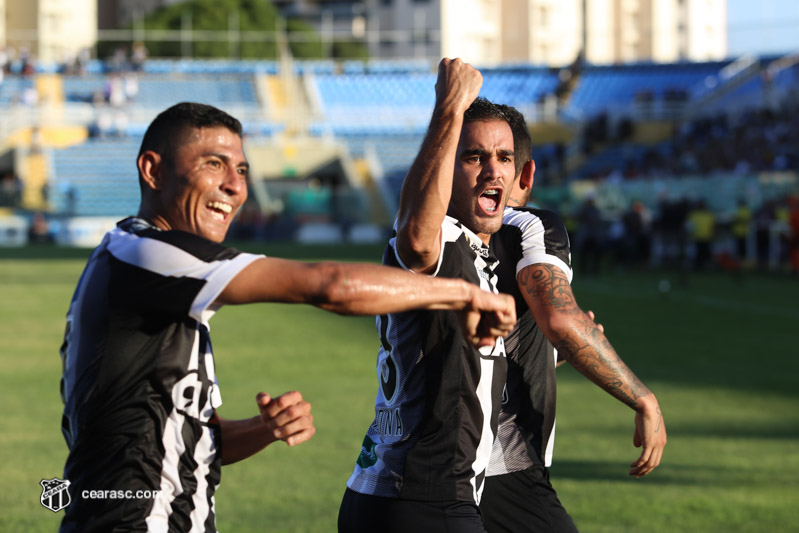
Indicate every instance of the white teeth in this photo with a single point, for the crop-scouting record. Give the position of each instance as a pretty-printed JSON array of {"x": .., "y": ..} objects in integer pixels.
[
  {"x": 491, "y": 192},
  {"x": 225, "y": 208}
]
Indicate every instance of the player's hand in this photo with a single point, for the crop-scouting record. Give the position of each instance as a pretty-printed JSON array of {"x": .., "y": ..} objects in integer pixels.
[
  {"x": 487, "y": 317},
  {"x": 458, "y": 84},
  {"x": 650, "y": 436},
  {"x": 288, "y": 417}
]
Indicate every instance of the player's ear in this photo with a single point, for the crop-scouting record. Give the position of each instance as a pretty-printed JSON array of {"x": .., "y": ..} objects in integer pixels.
[
  {"x": 150, "y": 165},
  {"x": 527, "y": 176}
]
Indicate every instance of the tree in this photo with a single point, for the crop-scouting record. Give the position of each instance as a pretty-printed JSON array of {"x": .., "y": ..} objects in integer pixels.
[{"x": 240, "y": 29}]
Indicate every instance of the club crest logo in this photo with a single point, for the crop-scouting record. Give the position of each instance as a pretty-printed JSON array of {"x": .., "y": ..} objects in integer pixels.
[{"x": 55, "y": 494}]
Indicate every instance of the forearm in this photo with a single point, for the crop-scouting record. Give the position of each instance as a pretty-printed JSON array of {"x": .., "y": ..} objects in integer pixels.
[
  {"x": 376, "y": 290},
  {"x": 427, "y": 187},
  {"x": 426, "y": 191},
  {"x": 576, "y": 336},
  {"x": 345, "y": 288},
  {"x": 243, "y": 438},
  {"x": 586, "y": 348}
]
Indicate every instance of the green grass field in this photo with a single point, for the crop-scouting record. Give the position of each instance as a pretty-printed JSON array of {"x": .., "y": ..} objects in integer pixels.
[{"x": 722, "y": 354}]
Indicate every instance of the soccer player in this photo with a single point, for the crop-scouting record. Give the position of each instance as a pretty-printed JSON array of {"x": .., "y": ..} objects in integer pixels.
[
  {"x": 533, "y": 249},
  {"x": 146, "y": 444},
  {"x": 423, "y": 459}
]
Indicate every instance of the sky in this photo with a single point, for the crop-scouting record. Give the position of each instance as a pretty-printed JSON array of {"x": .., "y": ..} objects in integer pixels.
[{"x": 762, "y": 26}]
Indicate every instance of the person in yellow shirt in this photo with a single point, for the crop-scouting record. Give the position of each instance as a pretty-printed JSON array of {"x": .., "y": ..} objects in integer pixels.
[
  {"x": 702, "y": 230},
  {"x": 741, "y": 225}
]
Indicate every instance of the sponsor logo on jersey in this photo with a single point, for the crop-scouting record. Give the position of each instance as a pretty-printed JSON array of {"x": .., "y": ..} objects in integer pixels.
[
  {"x": 367, "y": 457},
  {"x": 482, "y": 251},
  {"x": 55, "y": 494}
]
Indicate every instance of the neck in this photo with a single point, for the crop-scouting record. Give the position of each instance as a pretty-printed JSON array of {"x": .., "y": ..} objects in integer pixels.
[
  {"x": 517, "y": 198},
  {"x": 152, "y": 217}
]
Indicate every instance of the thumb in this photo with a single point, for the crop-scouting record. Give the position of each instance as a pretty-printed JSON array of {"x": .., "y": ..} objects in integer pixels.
[{"x": 262, "y": 399}]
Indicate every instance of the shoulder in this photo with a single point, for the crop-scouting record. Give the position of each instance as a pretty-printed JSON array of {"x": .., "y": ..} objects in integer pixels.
[
  {"x": 531, "y": 216},
  {"x": 535, "y": 224},
  {"x": 137, "y": 233}
]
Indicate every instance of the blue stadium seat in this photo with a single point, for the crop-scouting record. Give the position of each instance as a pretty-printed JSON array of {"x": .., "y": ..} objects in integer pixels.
[{"x": 96, "y": 178}]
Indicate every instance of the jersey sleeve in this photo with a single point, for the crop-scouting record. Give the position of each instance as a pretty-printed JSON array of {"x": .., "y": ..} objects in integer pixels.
[
  {"x": 175, "y": 272},
  {"x": 449, "y": 233},
  {"x": 544, "y": 239}
]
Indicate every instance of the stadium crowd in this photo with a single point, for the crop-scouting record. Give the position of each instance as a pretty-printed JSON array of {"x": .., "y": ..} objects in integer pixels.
[
  {"x": 685, "y": 234},
  {"x": 756, "y": 140}
]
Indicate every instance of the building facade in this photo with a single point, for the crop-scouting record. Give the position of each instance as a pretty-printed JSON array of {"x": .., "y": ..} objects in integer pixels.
[
  {"x": 549, "y": 32},
  {"x": 623, "y": 31},
  {"x": 483, "y": 32},
  {"x": 52, "y": 31}
]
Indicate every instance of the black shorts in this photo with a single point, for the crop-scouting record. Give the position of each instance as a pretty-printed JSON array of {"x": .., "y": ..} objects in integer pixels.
[
  {"x": 364, "y": 513},
  {"x": 524, "y": 502}
]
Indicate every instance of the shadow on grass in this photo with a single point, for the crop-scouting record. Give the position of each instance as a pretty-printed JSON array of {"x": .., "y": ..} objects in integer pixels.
[
  {"x": 668, "y": 473},
  {"x": 747, "y": 429}
]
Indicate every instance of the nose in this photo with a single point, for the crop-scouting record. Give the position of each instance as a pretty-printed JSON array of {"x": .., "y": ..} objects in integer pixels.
[
  {"x": 235, "y": 183},
  {"x": 492, "y": 170}
]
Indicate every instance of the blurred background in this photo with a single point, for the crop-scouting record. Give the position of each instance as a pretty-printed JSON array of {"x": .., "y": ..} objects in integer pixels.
[
  {"x": 665, "y": 131},
  {"x": 666, "y": 134}
]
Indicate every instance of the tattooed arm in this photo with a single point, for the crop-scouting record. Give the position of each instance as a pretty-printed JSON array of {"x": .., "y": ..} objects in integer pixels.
[{"x": 582, "y": 343}]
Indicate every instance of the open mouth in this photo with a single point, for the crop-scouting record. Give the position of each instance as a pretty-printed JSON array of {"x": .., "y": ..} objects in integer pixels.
[
  {"x": 220, "y": 210},
  {"x": 489, "y": 200}
]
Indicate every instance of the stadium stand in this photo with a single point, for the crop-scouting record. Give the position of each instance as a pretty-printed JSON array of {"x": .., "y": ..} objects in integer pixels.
[
  {"x": 615, "y": 88},
  {"x": 159, "y": 90},
  {"x": 12, "y": 90},
  {"x": 621, "y": 133},
  {"x": 96, "y": 178}
]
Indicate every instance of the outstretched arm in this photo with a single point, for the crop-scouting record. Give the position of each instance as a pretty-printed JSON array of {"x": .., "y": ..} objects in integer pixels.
[
  {"x": 581, "y": 342},
  {"x": 427, "y": 188},
  {"x": 287, "y": 418},
  {"x": 366, "y": 289}
]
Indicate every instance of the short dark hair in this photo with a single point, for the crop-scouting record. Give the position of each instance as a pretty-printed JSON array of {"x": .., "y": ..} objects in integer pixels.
[
  {"x": 483, "y": 109},
  {"x": 166, "y": 130},
  {"x": 522, "y": 143}
]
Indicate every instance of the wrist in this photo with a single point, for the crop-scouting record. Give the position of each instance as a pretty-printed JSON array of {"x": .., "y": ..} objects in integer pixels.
[
  {"x": 449, "y": 111},
  {"x": 647, "y": 404}
]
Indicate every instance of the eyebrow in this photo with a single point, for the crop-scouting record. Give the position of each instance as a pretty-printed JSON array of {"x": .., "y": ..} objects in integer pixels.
[
  {"x": 483, "y": 152},
  {"x": 474, "y": 151}
]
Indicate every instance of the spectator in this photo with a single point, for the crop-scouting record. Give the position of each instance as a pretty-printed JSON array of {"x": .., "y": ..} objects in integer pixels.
[
  {"x": 588, "y": 241},
  {"x": 793, "y": 241},
  {"x": 741, "y": 225},
  {"x": 702, "y": 230}
]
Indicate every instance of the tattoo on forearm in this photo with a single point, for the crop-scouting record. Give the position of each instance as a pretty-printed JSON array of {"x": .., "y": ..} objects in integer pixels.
[{"x": 581, "y": 343}]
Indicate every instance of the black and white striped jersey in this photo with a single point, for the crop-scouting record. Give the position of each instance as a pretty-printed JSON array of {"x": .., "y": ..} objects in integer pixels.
[
  {"x": 438, "y": 396},
  {"x": 138, "y": 383},
  {"x": 526, "y": 432}
]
